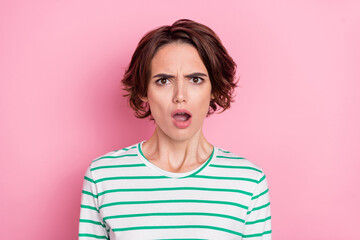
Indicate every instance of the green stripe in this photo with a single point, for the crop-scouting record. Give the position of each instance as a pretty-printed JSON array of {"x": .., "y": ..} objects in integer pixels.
[
  {"x": 129, "y": 177},
  {"x": 91, "y": 221},
  {"x": 92, "y": 235},
  {"x": 177, "y": 227},
  {"x": 89, "y": 207},
  {"x": 261, "y": 179},
  {"x": 174, "y": 201},
  {"x": 176, "y": 214},
  {"x": 127, "y": 149},
  {"x": 237, "y": 167},
  {"x": 258, "y": 208},
  {"x": 124, "y": 149},
  {"x": 257, "y": 221},
  {"x": 119, "y": 166},
  {"x": 226, "y": 178},
  {"x": 141, "y": 152},
  {"x": 257, "y": 234},
  {"x": 230, "y": 157},
  {"x": 89, "y": 179},
  {"x": 207, "y": 163},
  {"x": 224, "y": 150},
  {"x": 174, "y": 189},
  {"x": 89, "y": 193},
  {"x": 255, "y": 197},
  {"x": 125, "y": 155}
]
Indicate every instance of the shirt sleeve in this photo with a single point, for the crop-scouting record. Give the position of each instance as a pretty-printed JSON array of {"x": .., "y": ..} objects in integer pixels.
[
  {"x": 91, "y": 225},
  {"x": 258, "y": 220}
]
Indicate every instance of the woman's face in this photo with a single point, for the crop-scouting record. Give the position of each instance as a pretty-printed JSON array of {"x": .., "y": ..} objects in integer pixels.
[{"x": 179, "y": 91}]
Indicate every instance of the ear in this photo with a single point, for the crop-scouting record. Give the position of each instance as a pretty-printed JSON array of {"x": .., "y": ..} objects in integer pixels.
[
  {"x": 144, "y": 99},
  {"x": 212, "y": 96}
]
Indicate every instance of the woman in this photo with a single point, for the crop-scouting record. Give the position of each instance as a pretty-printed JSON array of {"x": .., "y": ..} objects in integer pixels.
[{"x": 176, "y": 185}]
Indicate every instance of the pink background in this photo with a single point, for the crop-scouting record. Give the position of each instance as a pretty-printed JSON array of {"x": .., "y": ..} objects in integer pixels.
[{"x": 296, "y": 113}]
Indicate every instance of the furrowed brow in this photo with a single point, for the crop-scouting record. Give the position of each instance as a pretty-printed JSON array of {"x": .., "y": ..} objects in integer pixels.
[
  {"x": 163, "y": 75},
  {"x": 196, "y": 74}
]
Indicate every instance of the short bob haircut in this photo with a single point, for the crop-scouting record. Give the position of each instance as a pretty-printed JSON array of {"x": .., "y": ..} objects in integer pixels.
[{"x": 219, "y": 64}]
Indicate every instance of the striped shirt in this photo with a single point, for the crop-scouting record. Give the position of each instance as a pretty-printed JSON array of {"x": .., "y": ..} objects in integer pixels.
[{"x": 125, "y": 196}]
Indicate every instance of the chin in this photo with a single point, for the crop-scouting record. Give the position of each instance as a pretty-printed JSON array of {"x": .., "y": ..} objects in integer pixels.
[
  {"x": 181, "y": 134},
  {"x": 178, "y": 134}
]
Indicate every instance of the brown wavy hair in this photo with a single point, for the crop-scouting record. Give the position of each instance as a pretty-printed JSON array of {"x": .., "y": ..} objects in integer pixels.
[{"x": 219, "y": 64}]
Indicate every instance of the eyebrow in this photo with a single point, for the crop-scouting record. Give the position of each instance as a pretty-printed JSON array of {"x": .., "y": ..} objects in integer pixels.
[{"x": 191, "y": 75}]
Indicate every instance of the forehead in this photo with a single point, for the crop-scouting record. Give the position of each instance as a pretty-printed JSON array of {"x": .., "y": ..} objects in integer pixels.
[{"x": 177, "y": 56}]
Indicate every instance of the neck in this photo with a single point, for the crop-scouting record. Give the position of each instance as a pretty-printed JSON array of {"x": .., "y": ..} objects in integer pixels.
[{"x": 177, "y": 155}]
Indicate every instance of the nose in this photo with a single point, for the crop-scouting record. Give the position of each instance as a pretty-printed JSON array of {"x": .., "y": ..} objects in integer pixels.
[{"x": 180, "y": 94}]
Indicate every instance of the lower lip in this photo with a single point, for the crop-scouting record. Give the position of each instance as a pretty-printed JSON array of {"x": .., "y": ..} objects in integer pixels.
[{"x": 182, "y": 124}]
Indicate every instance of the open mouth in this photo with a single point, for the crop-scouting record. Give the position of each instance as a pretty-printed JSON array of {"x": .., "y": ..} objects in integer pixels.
[{"x": 181, "y": 116}]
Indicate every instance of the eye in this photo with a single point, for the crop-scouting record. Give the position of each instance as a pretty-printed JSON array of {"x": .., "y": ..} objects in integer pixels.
[
  {"x": 196, "y": 80},
  {"x": 162, "y": 81}
]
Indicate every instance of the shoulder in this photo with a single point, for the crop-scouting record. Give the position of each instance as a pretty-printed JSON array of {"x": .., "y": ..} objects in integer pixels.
[
  {"x": 120, "y": 156},
  {"x": 231, "y": 159},
  {"x": 231, "y": 162}
]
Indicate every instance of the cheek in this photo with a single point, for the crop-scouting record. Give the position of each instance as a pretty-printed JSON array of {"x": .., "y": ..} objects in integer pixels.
[
  {"x": 158, "y": 102},
  {"x": 203, "y": 98},
  {"x": 201, "y": 106}
]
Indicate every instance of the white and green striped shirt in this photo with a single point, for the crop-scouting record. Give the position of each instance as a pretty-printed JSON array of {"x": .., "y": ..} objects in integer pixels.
[{"x": 125, "y": 196}]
